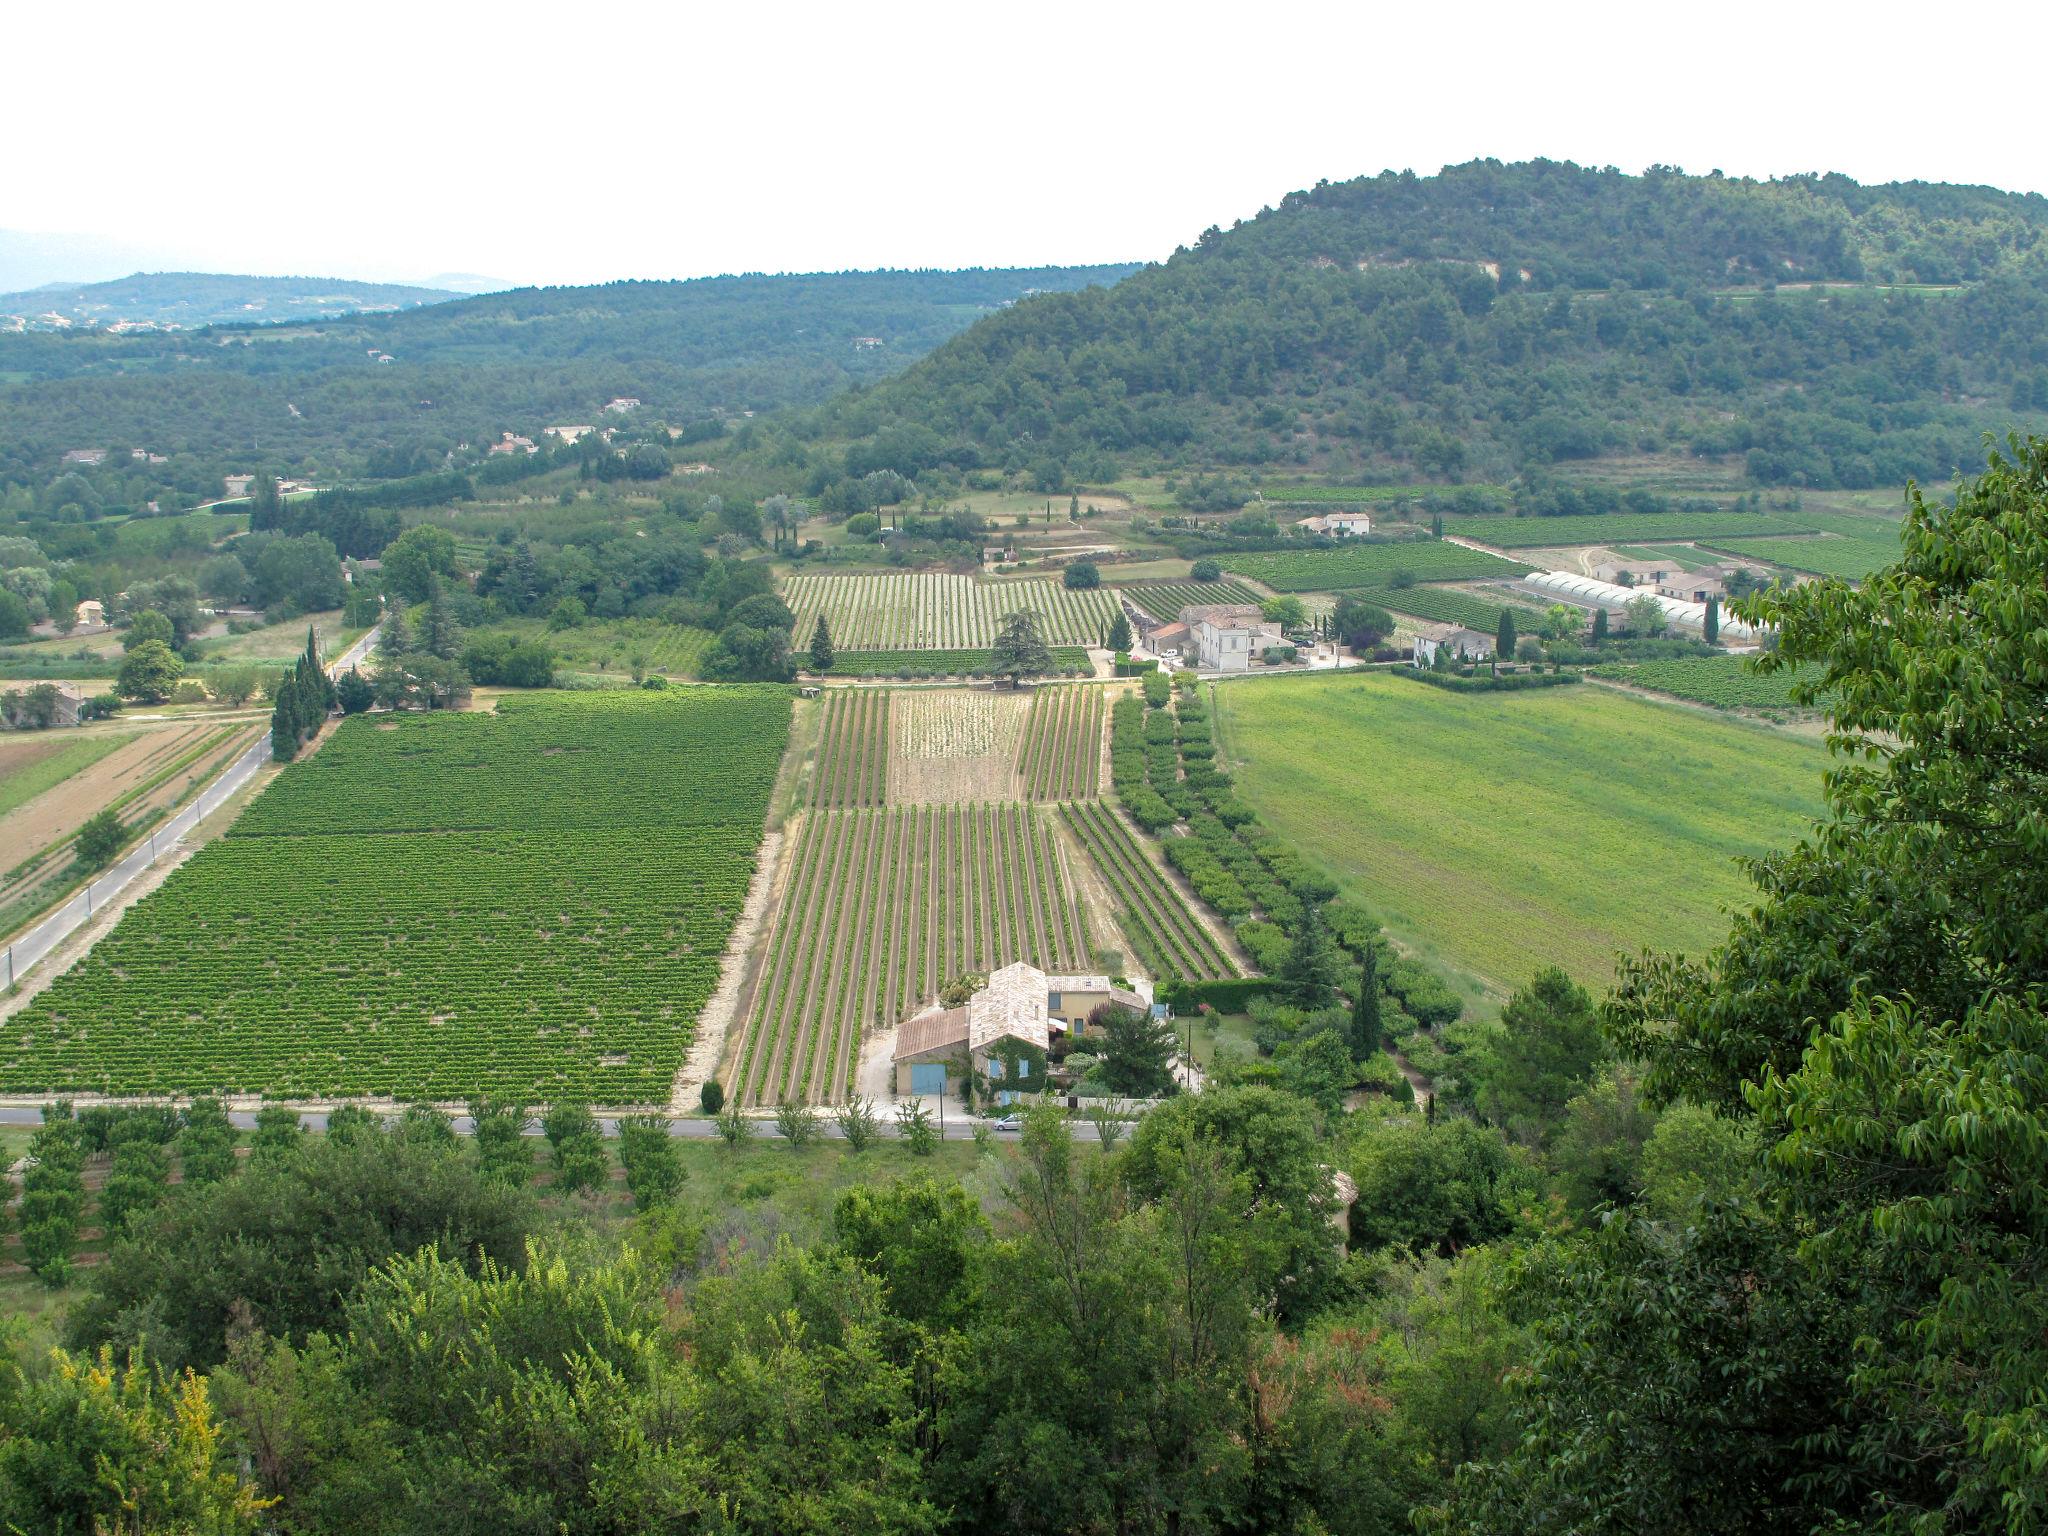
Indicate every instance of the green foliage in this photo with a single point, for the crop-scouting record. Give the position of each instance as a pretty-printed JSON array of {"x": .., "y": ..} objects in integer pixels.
[
  {"x": 1434, "y": 1187},
  {"x": 711, "y": 1096},
  {"x": 1544, "y": 1053},
  {"x": 857, "y": 1124},
  {"x": 1372, "y": 566},
  {"x": 149, "y": 672},
  {"x": 1019, "y": 652},
  {"x": 1136, "y": 1051},
  {"x": 87, "y": 1446},
  {"x": 654, "y": 1168},
  {"x": 1081, "y": 576},
  {"x": 285, "y": 1241},
  {"x": 100, "y": 839}
]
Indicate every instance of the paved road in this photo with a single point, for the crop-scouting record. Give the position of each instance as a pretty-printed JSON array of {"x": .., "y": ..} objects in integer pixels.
[
  {"x": 53, "y": 930},
  {"x": 956, "y": 1129}
]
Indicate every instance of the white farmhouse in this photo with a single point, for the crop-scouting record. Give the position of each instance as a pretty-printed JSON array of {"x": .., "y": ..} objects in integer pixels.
[
  {"x": 1337, "y": 524},
  {"x": 1224, "y": 637}
]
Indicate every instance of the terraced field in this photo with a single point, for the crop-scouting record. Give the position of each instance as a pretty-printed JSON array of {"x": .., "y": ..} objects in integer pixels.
[
  {"x": 534, "y": 904},
  {"x": 1165, "y": 599},
  {"x": 922, "y": 611},
  {"x": 1060, "y": 756},
  {"x": 1169, "y": 939},
  {"x": 852, "y": 764},
  {"x": 880, "y": 909},
  {"x": 1371, "y": 565}
]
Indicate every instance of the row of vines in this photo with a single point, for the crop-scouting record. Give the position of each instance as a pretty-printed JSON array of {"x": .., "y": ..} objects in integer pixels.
[
  {"x": 1060, "y": 755},
  {"x": 853, "y": 748}
]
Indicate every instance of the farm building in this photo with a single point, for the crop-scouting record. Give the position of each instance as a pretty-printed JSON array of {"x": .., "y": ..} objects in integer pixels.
[
  {"x": 1226, "y": 636},
  {"x": 92, "y": 613},
  {"x": 237, "y": 485},
  {"x": 1168, "y": 641},
  {"x": 1463, "y": 644},
  {"x": 1337, "y": 524},
  {"x": 1013, "y": 1017},
  {"x": 1632, "y": 573}
]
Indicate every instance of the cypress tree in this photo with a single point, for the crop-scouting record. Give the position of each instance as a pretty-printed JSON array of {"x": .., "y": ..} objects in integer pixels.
[
  {"x": 1599, "y": 625},
  {"x": 1504, "y": 636},
  {"x": 821, "y": 647},
  {"x": 1365, "y": 1009},
  {"x": 1712, "y": 627}
]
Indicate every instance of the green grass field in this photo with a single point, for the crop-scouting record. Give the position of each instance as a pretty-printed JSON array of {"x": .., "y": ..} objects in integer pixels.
[
  {"x": 1725, "y": 682},
  {"x": 1834, "y": 555},
  {"x": 1498, "y": 833}
]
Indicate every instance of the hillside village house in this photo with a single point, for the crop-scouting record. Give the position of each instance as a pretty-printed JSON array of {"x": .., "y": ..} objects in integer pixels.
[
  {"x": 1227, "y": 635},
  {"x": 237, "y": 485},
  {"x": 623, "y": 403},
  {"x": 1337, "y": 524},
  {"x": 511, "y": 442},
  {"x": 86, "y": 456},
  {"x": 1012, "y": 1019}
]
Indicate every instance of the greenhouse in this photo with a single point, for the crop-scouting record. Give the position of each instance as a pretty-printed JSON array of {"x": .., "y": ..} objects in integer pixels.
[{"x": 1606, "y": 594}]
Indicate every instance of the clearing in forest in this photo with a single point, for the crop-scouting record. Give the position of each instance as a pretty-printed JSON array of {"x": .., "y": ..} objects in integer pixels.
[
  {"x": 879, "y": 909},
  {"x": 533, "y": 904}
]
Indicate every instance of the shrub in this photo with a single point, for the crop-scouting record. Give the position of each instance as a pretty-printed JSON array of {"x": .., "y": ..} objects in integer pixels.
[{"x": 711, "y": 1097}]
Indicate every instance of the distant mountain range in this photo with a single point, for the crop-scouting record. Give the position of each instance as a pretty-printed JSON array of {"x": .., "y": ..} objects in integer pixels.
[{"x": 167, "y": 301}]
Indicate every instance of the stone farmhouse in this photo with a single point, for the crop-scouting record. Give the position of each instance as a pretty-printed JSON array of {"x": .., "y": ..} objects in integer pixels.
[
  {"x": 1006, "y": 1025},
  {"x": 1337, "y": 524},
  {"x": 1226, "y": 636}
]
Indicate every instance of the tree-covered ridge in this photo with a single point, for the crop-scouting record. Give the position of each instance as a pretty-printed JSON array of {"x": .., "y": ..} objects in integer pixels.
[
  {"x": 319, "y": 398},
  {"x": 1387, "y": 323},
  {"x": 188, "y": 299}
]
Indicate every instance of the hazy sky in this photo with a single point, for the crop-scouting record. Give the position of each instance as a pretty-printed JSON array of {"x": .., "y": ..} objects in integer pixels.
[{"x": 568, "y": 143}]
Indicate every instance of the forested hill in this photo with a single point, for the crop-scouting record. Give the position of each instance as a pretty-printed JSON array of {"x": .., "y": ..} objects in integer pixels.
[
  {"x": 389, "y": 393},
  {"x": 1496, "y": 317},
  {"x": 184, "y": 300}
]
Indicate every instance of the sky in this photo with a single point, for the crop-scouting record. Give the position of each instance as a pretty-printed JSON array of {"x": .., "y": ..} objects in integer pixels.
[{"x": 563, "y": 144}]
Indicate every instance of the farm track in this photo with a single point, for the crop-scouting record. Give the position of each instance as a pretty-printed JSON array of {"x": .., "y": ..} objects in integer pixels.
[{"x": 884, "y": 905}]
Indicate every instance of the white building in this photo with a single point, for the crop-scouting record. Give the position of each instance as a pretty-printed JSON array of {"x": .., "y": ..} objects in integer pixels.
[
  {"x": 1224, "y": 637},
  {"x": 1603, "y": 594},
  {"x": 1337, "y": 524}
]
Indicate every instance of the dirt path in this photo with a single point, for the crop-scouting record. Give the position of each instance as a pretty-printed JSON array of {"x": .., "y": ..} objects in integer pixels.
[{"x": 716, "y": 1020}]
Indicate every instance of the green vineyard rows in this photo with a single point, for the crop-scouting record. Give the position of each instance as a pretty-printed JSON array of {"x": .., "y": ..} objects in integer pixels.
[
  {"x": 1726, "y": 682},
  {"x": 1165, "y": 599},
  {"x": 1060, "y": 754},
  {"x": 853, "y": 748},
  {"x": 1370, "y": 565},
  {"x": 534, "y": 904},
  {"x": 1622, "y": 527},
  {"x": 1442, "y": 605},
  {"x": 914, "y": 611},
  {"x": 1850, "y": 558},
  {"x": 1151, "y": 910},
  {"x": 955, "y": 663},
  {"x": 882, "y": 908}
]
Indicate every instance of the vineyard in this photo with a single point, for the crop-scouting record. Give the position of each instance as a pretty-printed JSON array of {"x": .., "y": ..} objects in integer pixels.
[
  {"x": 1850, "y": 558},
  {"x": 883, "y": 907},
  {"x": 1624, "y": 527},
  {"x": 1165, "y": 599},
  {"x": 613, "y": 646},
  {"x": 1060, "y": 756},
  {"x": 1726, "y": 682},
  {"x": 853, "y": 748},
  {"x": 916, "y": 611},
  {"x": 1068, "y": 660},
  {"x": 1444, "y": 605},
  {"x": 1169, "y": 938},
  {"x": 1371, "y": 565},
  {"x": 533, "y": 904}
]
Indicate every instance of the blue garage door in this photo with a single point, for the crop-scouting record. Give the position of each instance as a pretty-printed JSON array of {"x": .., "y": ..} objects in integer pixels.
[{"x": 928, "y": 1077}]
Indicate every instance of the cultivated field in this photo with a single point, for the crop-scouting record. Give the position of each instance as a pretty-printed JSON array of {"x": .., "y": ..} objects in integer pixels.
[
  {"x": 880, "y": 909},
  {"x": 533, "y": 904},
  {"x": 1067, "y": 660},
  {"x": 1444, "y": 605},
  {"x": 1060, "y": 756},
  {"x": 1831, "y": 555},
  {"x": 1628, "y": 527},
  {"x": 913, "y": 611},
  {"x": 1515, "y": 830},
  {"x": 1370, "y": 565},
  {"x": 852, "y": 761},
  {"x": 140, "y": 772},
  {"x": 1169, "y": 939},
  {"x": 1725, "y": 682},
  {"x": 31, "y": 762},
  {"x": 1165, "y": 599},
  {"x": 610, "y": 647}
]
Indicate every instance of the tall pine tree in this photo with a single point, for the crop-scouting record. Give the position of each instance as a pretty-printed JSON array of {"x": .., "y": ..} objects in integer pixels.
[
  {"x": 1365, "y": 1009},
  {"x": 821, "y": 647}
]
